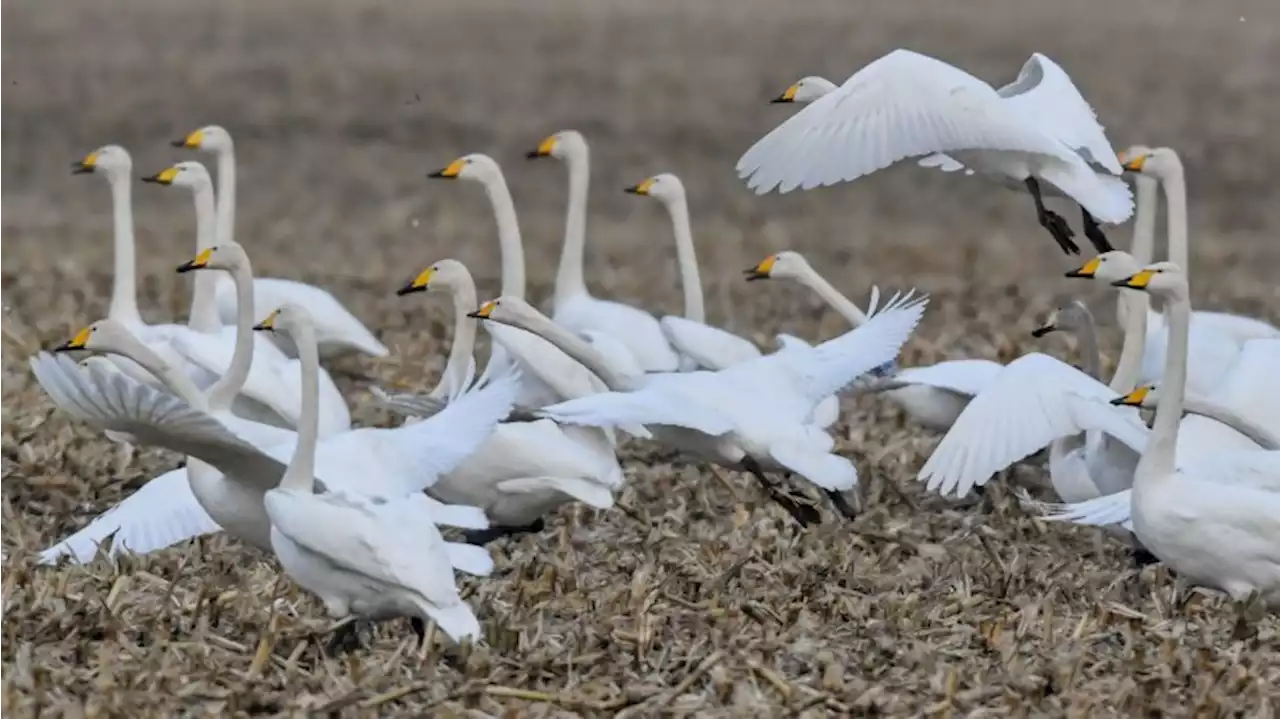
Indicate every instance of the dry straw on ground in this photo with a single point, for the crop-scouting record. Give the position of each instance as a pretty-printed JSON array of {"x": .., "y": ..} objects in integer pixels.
[{"x": 698, "y": 598}]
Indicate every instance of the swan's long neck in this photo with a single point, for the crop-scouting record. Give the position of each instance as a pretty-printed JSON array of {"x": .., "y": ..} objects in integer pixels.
[
  {"x": 1129, "y": 365},
  {"x": 300, "y": 475},
  {"x": 1160, "y": 457},
  {"x": 204, "y": 307},
  {"x": 223, "y": 392},
  {"x": 1144, "y": 233},
  {"x": 1260, "y": 435},
  {"x": 570, "y": 279},
  {"x": 841, "y": 304},
  {"x": 226, "y": 195},
  {"x": 509, "y": 241},
  {"x": 124, "y": 291},
  {"x": 687, "y": 257},
  {"x": 580, "y": 350},
  {"x": 464, "y": 340},
  {"x": 1175, "y": 192},
  {"x": 172, "y": 377},
  {"x": 1091, "y": 355}
]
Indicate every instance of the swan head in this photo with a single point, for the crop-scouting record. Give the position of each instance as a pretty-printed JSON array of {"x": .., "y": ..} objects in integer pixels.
[
  {"x": 189, "y": 173},
  {"x": 562, "y": 145},
  {"x": 288, "y": 318},
  {"x": 110, "y": 160},
  {"x": 106, "y": 336},
  {"x": 508, "y": 311},
  {"x": 210, "y": 138},
  {"x": 666, "y": 187},
  {"x": 1144, "y": 396},
  {"x": 227, "y": 256},
  {"x": 1071, "y": 317},
  {"x": 476, "y": 167},
  {"x": 1143, "y": 160},
  {"x": 782, "y": 265},
  {"x": 805, "y": 90},
  {"x": 1107, "y": 267},
  {"x": 1165, "y": 279},
  {"x": 441, "y": 275}
]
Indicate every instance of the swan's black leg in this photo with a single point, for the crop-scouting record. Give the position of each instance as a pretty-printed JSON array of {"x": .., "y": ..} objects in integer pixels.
[
  {"x": 484, "y": 536},
  {"x": 1142, "y": 557},
  {"x": 1052, "y": 221},
  {"x": 804, "y": 514},
  {"x": 842, "y": 504},
  {"x": 1094, "y": 233},
  {"x": 419, "y": 628},
  {"x": 345, "y": 638}
]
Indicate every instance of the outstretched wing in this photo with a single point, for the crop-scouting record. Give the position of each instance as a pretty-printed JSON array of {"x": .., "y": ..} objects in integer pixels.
[
  {"x": 967, "y": 377},
  {"x": 649, "y": 406},
  {"x": 710, "y": 347},
  {"x": 412, "y": 404},
  {"x": 901, "y": 105}
]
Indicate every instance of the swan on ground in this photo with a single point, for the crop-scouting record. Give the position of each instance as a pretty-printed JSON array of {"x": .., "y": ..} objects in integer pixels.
[
  {"x": 1214, "y": 520},
  {"x": 338, "y": 331},
  {"x": 525, "y": 469},
  {"x": 718, "y": 416},
  {"x": 375, "y": 559},
  {"x": 549, "y": 376},
  {"x": 573, "y": 306},
  {"x": 904, "y": 104},
  {"x": 1039, "y": 400},
  {"x": 266, "y": 395},
  {"x": 386, "y": 461},
  {"x": 932, "y": 396}
]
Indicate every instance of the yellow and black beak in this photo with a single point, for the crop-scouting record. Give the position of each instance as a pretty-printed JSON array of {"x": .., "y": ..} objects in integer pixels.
[
  {"x": 85, "y": 166},
  {"x": 451, "y": 171},
  {"x": 761, "y": 271},
  {"x": 199, "y": 263},
  {"x": 163, "y": 177},
  {"x": 1043, "y": 330},
  {"x": 268, "y": 324},
  {"x": 485, "y": 311},
  {"x": 1133, "y": 399},
  {"x": 545, "y": 148},
  {"x": 789, "y": 95},
  {"x": 1132, "y": 164},
  {"x": 640, "y": 189},
  {"x": 419, "y": 283},
  {"x": 1089, "y": 269},
  {"x": 75, "y": 343},
  {"x": 192, "y": 141},
  {"x": 1136, "y": 281}
]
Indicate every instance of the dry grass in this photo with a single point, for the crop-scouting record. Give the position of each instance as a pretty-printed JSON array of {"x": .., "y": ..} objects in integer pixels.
[{"x": 705, "y": 600}]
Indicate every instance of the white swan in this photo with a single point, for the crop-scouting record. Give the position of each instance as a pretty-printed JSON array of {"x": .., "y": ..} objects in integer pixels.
[
  {"x": 905, "y": 104},
  {"x": 755, "y": 416},
  {"x": 1039, "y": 400},
  {"x": 207, "y": 347},
  {"x": 338, "y": 331},
  {"x": 525, "y": 469},
  {"x": 932, "y": 396},
  {"x": 1214, "y": 520},
  {"x": 573, "y": 305},
  {"x": 376, "y": 559},
  {"x": 549, "y": 375}
]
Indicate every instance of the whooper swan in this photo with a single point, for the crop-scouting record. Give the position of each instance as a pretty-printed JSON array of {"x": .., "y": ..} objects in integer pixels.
[
  {"x": 203, "y": 347},
  {"x": 338, "y": 331},
  {"x": 1214, "y": 520},
  {"x": 932, "y": 396},
  {"x": 905, "y": 104},
  {"x": 374, "y": 559},
  {"x": 755, "y": 416},
  {"x": 573, "y": 306},
  {"x": 388, "y": 462},
  {"x": 549, "y": 375}
]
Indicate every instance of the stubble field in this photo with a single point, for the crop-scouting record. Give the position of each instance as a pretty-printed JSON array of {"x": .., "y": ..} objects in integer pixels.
[{"x": 701, "y": 598}]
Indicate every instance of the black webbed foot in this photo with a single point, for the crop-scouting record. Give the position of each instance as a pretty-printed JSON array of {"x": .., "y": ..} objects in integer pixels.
[
  {"x": 842, "y": 504},
  {"x": 804, "y": 514},
  {"x": 346, "y": 638},
  {"x": 1052, "y": 221},
  {"x": 419, "y": 628},
  {"x": 1094, "y": 232}
]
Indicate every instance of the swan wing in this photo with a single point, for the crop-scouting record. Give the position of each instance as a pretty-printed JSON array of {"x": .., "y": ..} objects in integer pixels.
[
  {"x": 901, "y": 105},
  {"x": 269, "y": 381},
  {"x": 1109, "y": 199},
  {"x": 636, "y": 330},
  {"x": 683, "y": 407},
  {"x": 1252, "y": 469},
  {"x": 967, "y": 376},
  {"x": 1027, "y": 407},
  {"x": 160, "y": 514},
  {"x": 710, "y": 347},
  {"x": 590, "y": 493},
  {"x": 1097, "y": 512},
  {"x": 412, "y": 404},
  {"x": 1045, "y": 96},
  {"x": 336, "y": 328}
]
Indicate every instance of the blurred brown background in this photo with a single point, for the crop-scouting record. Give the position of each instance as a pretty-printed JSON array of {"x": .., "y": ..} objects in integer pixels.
[{"x": 339, "y": 109}]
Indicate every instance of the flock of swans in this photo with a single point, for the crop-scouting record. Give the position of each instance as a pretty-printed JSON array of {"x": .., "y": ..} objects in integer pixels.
[{"x": 354, "y": 514}]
